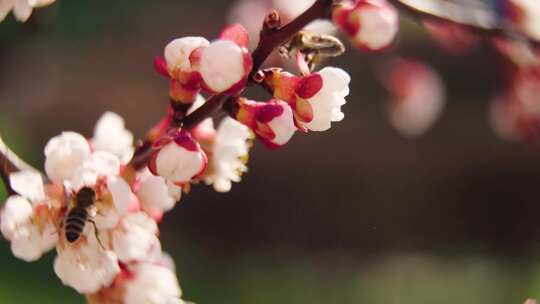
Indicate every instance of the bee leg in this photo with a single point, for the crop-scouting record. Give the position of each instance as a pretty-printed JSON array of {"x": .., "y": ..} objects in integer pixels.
[{"x": 96, "y": 234}]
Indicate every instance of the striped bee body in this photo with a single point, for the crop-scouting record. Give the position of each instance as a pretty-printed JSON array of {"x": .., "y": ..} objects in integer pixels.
[
  {"x": 77, "y": 216},
  {"x": 75, "y": 223}
]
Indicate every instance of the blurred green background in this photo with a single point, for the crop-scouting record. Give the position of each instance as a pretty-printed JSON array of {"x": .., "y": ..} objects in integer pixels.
[{"x": 354, "y": 215}]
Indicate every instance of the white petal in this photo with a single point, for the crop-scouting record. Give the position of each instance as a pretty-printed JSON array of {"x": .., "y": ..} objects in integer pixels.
[
  {"x": 40, "y": 3},
  {"x": 26, "y": 244},
  {"x": 335, "y": 80},
  {"x": 177, "y": 164},
  {"x": 5, "y": 7},
  {"x": 28, "y": 184},
  {"x": 17, "y": 212},
  {"x": 222, "y": 65},
  {"x": 326, "y": 109},
  {"x": 283, "y": 125},
  {"x": 154, "y": 194},
  {"x": 29, "y": 242},
  {"x": 177, "y": 52},
  {"x": 152, "y": 284},
  {"x": 121, "y": 193},
  {"x": 378, "y": 27},
  {"x": 100, "y": 164},
  {"x": 86, "y": 268},
  {"x": 22, "y": 10},
  {"x": 64, "y": 154},
  {"x": 230, "y": 150},
  {"x": 110, "y": 135},
  {"x": 106, "y": 218},
  {"x": 135, "y": 239}
]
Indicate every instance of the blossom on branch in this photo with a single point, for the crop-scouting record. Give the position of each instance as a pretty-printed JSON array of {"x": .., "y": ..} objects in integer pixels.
[
  {"x": 177, "y": 157},
  {"x": 226, "y": 63},
  {"x": 315, "y": 98},
  {"x": 371, "y": 25},
  {"x": 272, "y": 121}
]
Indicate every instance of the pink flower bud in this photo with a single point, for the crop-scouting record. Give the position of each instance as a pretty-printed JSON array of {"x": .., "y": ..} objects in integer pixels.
[
  {"x": 225, "y": 64},
  {"x": 272, "y": 121},
  {"x": 179, "y": 64},
  {"x": 178, "y": 158},
  {"x": 371, "y": 24}
]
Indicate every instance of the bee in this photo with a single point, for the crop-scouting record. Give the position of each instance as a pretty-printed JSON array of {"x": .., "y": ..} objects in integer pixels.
[
  {"x": 314, "y": 47},
  {"x": 79, "y": 214}
]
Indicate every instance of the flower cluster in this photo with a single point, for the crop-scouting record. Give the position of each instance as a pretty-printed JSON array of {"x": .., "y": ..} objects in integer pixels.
[
  {"x": 99, "y": 205},
  {"x": 116, "y": 254}
]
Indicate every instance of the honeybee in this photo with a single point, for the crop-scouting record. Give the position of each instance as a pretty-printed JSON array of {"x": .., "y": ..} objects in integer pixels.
[
  {"x": 79, "y": 214},
  {"x": 314, "y": 47}
]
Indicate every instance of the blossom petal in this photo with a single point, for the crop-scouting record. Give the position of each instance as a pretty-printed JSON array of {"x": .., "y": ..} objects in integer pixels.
[{"x": 28, "y": 184}]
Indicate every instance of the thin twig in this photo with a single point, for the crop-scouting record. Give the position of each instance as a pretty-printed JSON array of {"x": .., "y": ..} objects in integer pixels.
[{"x": 473, "y": 19}]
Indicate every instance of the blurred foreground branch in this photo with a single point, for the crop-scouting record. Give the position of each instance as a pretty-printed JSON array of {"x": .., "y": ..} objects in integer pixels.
[{"x": 10, "y": 163}]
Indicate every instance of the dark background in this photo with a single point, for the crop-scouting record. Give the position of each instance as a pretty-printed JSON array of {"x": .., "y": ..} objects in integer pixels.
[{"x": 357, "y": 214}]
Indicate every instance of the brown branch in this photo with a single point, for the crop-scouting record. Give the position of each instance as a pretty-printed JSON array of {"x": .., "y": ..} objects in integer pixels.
[
  {"x": 272, "y": 37},
  {"x": 474, "y": 19},
  {"x": 10, "y": 163}
]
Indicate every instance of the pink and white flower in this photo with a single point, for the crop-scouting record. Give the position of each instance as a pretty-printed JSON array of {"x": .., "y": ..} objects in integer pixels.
[
  {"x": 418, "y": 97},
  {"x": 371, "y": 24},
  {"x": 178, "y": 158},
  {"x": 151, "y": 284},
  {"x": 25, "y": 220},
  {"x": 181, "y": 57},
  {"x": 229, "y": 154},
  {"x": 22, "y": 9},
  {"x": 64, "y": 154},
  {"x": 156, "y": 194},
  {"x": 86, "y": 267},
  {"x": 315, "y": 98},
  {"x": 135, "y": 239},
  {"x": 226, "y": 63},
  {"x": 110, "y": 135},
  {"x": 272, "y": 121}
]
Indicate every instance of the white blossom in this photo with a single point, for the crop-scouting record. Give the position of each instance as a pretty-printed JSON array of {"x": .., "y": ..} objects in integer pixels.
[
  {"x": 222, "y": 65},
  {"x": 230, "y": 150},
  {"x": 156, "y": 194},
  {"x": 64, "y": 154},
  {"x": 152, "y": 284},
  {"x": 178, "y": 164},
  {"x": 135, "y": 239},
  {"x": 177, "y": 52},
  {"x": 326, "y": 104},
  {"x": 25, "y": 221},
  {"x": 110, "y": 135},
  {"x": 378, "y": 26},
  {"x": 98, "y": 165},
  {"x": 86, "y": 267}
]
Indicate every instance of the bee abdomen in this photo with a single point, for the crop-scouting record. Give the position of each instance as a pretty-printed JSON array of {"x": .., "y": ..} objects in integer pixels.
[{"x": 74, "y": 224}]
